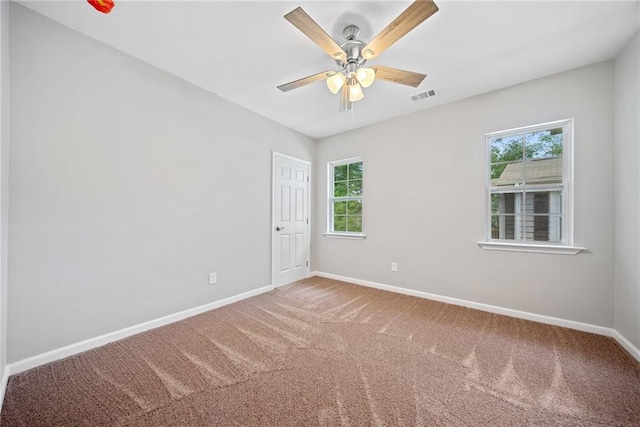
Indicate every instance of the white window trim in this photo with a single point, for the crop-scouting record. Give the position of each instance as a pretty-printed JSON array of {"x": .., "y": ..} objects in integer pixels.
[
  {"x": 345, "y": 235},
  {"x": 339, "y": 234},
  {"x": 566, "y": 247},
  {"x": 531, "y": 247}
]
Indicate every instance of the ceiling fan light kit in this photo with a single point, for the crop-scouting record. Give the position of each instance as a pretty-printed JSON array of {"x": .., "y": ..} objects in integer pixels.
[
  {"x": 355, "y": 90},
  {"x": 352, "y": 75},
  {"x": 335, "y": 82},
  {"x": 366, "y": 76}
]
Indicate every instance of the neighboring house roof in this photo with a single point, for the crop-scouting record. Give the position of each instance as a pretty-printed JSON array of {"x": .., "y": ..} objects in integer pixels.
[{"x": 538, "y": 171}]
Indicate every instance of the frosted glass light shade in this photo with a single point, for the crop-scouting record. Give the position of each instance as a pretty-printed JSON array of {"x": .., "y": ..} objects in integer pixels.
[
  {"x": 335, "y": 82},
  {"x": 366, "y": 76},
  {"x": 355, "y": 91}
]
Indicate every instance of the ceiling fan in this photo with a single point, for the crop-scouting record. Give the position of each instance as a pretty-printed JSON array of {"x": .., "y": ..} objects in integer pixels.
[{"x": 352, "y": 55}]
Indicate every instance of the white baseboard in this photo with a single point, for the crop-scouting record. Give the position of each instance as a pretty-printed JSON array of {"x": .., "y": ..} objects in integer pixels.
[
  {"x": 626, "y": 344},
  {"x": 571, "y": 324},
  {"x": 3, "y": 385},
  {"x": 70, "y": 350},
  {"x": 586, "y": 327}
]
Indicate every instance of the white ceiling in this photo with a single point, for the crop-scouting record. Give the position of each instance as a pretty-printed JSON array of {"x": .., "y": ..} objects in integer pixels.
[{"x": 242, "y": 50}]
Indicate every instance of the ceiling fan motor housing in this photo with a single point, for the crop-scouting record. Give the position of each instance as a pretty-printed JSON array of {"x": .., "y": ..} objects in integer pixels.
[{"x": 353, "y": 48}]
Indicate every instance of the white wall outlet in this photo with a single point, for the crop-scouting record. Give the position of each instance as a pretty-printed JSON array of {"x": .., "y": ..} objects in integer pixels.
[
  {"x": 213, "y": 278},
  {"x": 394, "y": 266}
]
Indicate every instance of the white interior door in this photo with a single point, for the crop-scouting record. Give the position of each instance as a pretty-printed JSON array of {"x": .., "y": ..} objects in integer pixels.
[{"x": 290, "y": 232}]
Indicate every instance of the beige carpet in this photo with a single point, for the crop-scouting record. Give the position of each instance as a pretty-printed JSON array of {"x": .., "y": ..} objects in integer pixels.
[{"x": 322, "y": 352}]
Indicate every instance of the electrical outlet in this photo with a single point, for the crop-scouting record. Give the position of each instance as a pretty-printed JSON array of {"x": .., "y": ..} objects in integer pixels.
[
  {"x": 394, "y": 266},
  {"x": 213, "y": 278}
]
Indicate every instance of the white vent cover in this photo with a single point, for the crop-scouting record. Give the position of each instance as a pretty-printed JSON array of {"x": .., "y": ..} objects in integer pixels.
[{"x": 423, "y": 95}]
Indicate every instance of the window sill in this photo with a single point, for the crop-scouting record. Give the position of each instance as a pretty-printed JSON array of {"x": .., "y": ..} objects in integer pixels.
[
  {"x": 531, "y": 247},
  {"x": 351, "y": 236}
]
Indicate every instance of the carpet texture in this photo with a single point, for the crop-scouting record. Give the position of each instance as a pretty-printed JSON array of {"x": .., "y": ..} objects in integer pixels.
[{"x": 327, "y": 353}]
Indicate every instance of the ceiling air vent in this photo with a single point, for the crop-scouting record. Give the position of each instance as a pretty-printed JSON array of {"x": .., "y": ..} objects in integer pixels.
[{"x": 423, "y": 95}]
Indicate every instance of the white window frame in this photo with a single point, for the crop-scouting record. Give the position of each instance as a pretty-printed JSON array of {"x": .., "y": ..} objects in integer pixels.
[
  {"x": 566, "y": 245},
  {"x": 330, "y": 199}
]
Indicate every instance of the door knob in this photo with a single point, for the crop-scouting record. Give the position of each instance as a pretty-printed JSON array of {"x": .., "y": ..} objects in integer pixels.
[{"x": 278, "y": 228}]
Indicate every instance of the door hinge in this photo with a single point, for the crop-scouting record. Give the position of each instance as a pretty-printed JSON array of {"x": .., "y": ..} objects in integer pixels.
[
  {"x": 307, "y": 263},
  {"x": 307, "y": 220},
  {"x": 307, "y": 178}
]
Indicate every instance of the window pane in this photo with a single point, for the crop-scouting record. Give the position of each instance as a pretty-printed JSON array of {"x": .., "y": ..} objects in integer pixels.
[
  {"x": 506, "y": 227},
  {"x": 339, "y": 223},
  {"x": 339, "y": 208},
  {"x": 340, "y": 189},
  {"x": 543, "y": 228},
  {"x": 495, "y": 227},
  {"x": 503, "y": 174},
  {"x": 506, "y": 203},
  {"x": 354, "y": 207},
  {"x": 354, "y": 223},
  {"x": 355, "y": 187},
  {"x": 544, "y": 144},
  {"x": 507, "y": 149},
  {"x": 544, "y": 202},
  {"x": 340, "y": 173},
  {"x": 555, "y": 202},
  {"x": 496, "y": 205},
  {"x": 543, "y": 171},
  {"x": 355, "y": 170}
]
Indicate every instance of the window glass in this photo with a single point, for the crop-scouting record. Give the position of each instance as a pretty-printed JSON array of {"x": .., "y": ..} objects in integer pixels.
[
  {"x": 346, "y": 188},
  {"x": 527, "y": 186}
]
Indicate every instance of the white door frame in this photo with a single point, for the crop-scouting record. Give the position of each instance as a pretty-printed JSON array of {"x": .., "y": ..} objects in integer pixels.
[{"x": 273, "y": 210}]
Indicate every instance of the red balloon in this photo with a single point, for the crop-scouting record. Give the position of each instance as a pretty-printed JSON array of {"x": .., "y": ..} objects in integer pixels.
[{"x": 103, "y": 6}]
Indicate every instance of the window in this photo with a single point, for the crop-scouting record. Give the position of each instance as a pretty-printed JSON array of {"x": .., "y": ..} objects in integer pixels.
[
  {"x": 529, "y": 181},
  {"x": 345, "y": 197}
]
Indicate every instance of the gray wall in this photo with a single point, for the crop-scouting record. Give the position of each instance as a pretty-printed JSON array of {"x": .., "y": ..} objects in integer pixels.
[
  {"x": 4, "y": 172},
  {"x": 127, "y": 187},
  {"x": 627, "y": 192},
  {"x": 424, "y": 201}
]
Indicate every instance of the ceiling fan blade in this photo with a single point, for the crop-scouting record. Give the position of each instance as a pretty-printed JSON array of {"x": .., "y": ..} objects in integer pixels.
[
  {"x": 305, "y": 81},
  {"x": 299, "y": 18},
  {"x": 413, "y": 16},
  {"x": 408, "y": 78}
]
